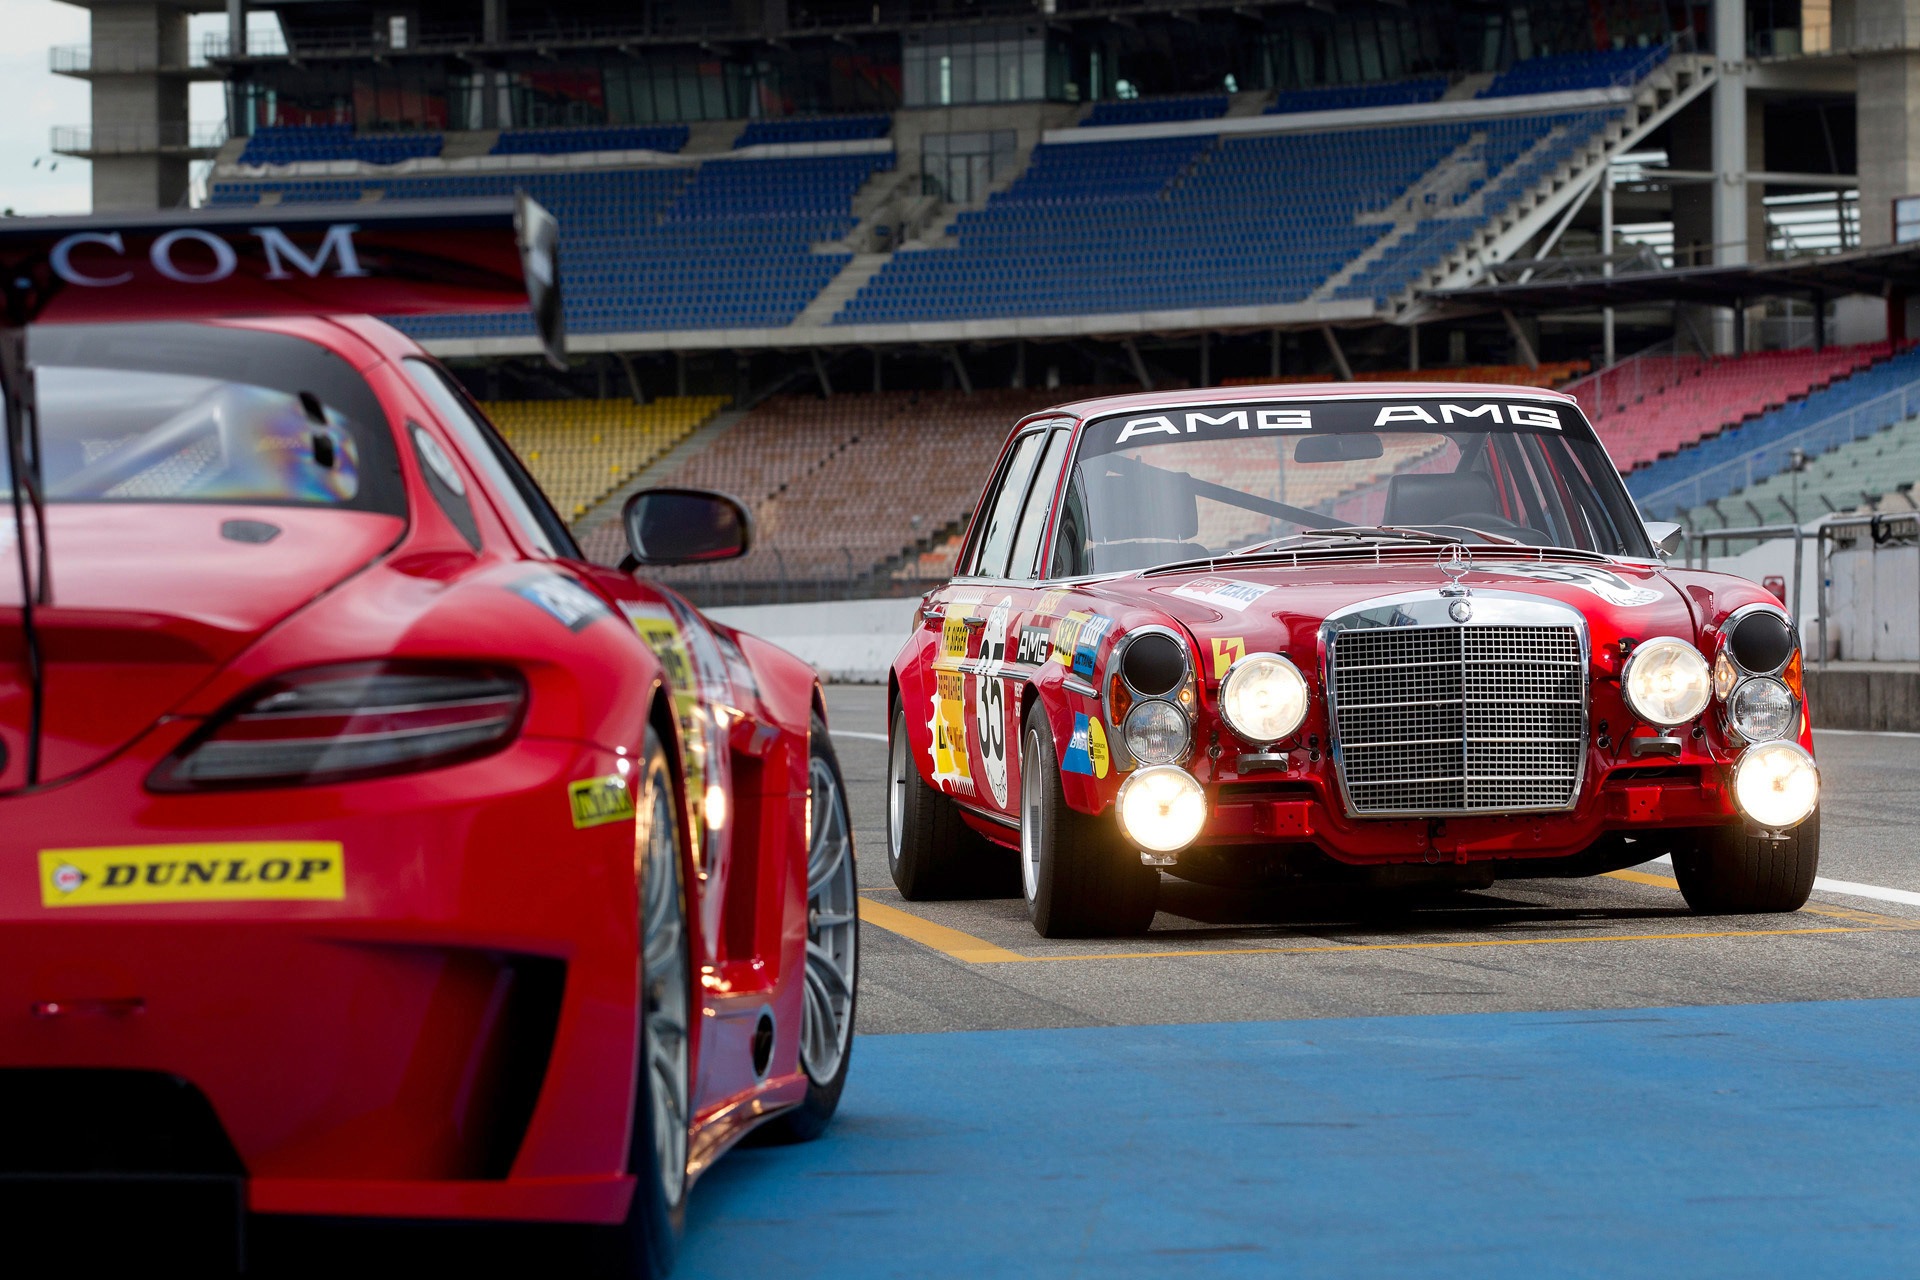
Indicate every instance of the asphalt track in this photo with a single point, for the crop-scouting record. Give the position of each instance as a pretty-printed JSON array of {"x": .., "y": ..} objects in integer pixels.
[{"x": 1553, "y": 1077}]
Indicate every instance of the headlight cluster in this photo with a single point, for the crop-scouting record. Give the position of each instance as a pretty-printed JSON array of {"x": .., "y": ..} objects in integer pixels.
[
  {"x": 1148, "y": 696},
  {"x": 1263, "y": 698},
  {"x": 1756, "y": 676}
]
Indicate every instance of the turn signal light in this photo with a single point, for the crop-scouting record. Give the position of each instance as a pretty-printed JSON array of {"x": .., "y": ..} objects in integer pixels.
[{"x": 338, "y": 724}]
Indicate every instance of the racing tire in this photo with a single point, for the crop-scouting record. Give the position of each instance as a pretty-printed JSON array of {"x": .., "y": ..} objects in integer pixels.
[
  {"x": 931, "y": 851},
  {"x": 831, "y": 976},
  {"x": 643, "y": 1247},
  {"x": 1731, "y": 871},
  {"x": 1080, "y": 879}
]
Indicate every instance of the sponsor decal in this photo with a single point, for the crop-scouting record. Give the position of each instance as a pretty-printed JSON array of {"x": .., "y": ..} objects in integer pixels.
[
  {"x": 598, "y": 801},
  {"x": 1087, "y": 748},
  {"x": 253, "y": 871},
  {"x": 1439, "y": 415},
  {"x": 1610, "y": 587},
  {"x": 1036, "y": 646},
  {"x": 278, "y": 249},
  {"x": 990, "y": 698},
  {"x": 1260, "y": 418},
  {"x": 1244, "y": 421},
  {"x": 1066, "y": 633},
  {"x": 951, "y": 768},
  {"x": 571, "y": 604},
  {"x": 1227, "y": 650},
  {"x": 1222, "y": 593},
  {"x": 702, "y": 744},
  {"x": 953, "y": 635},
  {"x": 1086, "y": 650},
  {"x": 1049, "y": 603}
]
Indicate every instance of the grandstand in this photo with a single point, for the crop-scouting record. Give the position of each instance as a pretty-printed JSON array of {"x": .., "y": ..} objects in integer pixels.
[{"x": 582, "y": 450}]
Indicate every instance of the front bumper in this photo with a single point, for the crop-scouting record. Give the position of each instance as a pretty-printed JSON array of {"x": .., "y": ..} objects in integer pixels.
[{"x": 454, "y": 1037}]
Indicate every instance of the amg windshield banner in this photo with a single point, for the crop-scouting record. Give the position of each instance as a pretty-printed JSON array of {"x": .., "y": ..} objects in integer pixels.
[{"x": 1442, "y": 415}]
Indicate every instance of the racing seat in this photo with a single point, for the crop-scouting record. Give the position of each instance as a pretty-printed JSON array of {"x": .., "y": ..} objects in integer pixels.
[
  {"x": 1145, "y": 516},
  {"x": 1440, "y": 499}
]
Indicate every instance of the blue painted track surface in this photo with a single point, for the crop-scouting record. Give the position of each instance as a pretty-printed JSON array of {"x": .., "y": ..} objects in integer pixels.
[{"x": 1776, "y": 1140}]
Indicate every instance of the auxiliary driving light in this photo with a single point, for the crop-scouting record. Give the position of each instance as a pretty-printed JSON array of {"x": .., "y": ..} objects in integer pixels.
[
  {"x": 1666, "y": 681},
  {"x": 1156, "y": 732},
  {"x": 1161, "y": 809},
  {"x": 1777, "y": 784},
  {"x": 1263, "y": 698},
  {"x": 1762, "y": 710}
]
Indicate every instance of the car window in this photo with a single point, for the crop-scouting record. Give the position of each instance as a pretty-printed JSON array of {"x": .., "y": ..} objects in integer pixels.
[
  {"x": 195, "y": 413},
  {"x": 1033, "y": 521},
  {"x": 525, "y": 505},
  {"x": 1003, "y": 508}
]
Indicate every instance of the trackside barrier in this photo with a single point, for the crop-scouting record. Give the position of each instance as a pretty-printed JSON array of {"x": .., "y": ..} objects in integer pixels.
[
  {"x": 1770, "y": 459},
  {"x": 1870, "y": 573}
]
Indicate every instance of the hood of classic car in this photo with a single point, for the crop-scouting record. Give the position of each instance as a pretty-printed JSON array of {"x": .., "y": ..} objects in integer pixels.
[{"x": 1238, "y": 607}]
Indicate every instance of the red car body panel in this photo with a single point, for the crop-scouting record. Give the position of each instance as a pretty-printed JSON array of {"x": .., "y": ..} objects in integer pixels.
[
  {"x": 369, "y": 1056},
  {"x": 1299, "y": 800}
]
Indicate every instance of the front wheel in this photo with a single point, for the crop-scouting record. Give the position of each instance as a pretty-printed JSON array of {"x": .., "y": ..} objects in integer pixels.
[
  {"x": 645, "y": 1244},
  {"x": 931, "y": 851},
  {"x": 833, "y": 950},
  {"x": 1731, "y": 871},
  {"x": 1081, "y": 879}
]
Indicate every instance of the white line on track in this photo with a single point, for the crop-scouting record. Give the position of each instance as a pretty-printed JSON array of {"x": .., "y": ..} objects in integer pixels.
[
  {"x": 1849, "y": 888},
  {"x": 856, "y": 733},
  {"x": 1867, "y": 733}
]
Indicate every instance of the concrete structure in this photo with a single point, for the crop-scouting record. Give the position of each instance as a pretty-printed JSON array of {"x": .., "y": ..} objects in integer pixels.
[{"x": 139, "y": 65}]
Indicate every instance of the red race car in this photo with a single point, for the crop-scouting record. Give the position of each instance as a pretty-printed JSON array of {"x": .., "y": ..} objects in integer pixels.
[
  {"x": 1395, "y": 633},
  {"x": 368, "y": 853}
]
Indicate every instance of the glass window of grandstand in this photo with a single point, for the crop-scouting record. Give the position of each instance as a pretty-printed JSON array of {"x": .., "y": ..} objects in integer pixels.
[
  {"x": 960, "y": 167},
  {"x": 966, "y": 65}
]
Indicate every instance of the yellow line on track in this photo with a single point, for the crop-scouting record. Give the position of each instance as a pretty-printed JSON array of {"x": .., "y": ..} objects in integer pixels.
[{"x": 949, "y": 942}]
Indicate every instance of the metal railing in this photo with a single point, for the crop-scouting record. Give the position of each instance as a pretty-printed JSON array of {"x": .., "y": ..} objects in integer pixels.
[
  {"x": 145, "y": 138},
  {"x": 1702, "y": 539},
  {"x": 714, "y": 586},
  {"x": 86, "y": 59},
  {"x": 1770, "y": 459}
]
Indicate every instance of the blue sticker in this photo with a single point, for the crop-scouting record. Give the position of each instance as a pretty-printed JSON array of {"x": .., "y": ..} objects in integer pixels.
[
  {"x": 576, "y": 607},
  {"x": 1092, "y": 632},
  {"x": 1087, "y": 748}
]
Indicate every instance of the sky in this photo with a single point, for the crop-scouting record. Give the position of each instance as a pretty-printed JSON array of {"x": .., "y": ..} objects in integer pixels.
[{"x": 33, "y": 100}]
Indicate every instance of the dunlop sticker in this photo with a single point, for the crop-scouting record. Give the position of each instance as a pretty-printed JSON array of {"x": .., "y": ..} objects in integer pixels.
[
  {"x": 598, "y": 801},
  {"x": 133, "y": 875}
]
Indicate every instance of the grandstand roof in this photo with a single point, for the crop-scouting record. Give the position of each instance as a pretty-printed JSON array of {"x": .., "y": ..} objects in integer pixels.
[
  {"x": 1263, "y": 392},
  {"x": 1876, "y": 272}
]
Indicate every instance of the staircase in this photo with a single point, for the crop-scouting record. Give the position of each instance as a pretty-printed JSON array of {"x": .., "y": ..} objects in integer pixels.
[{"x": 827, "y": 303}]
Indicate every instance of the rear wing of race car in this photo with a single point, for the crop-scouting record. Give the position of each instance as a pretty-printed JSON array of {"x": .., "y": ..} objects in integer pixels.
[{"x": 418, "y": 257}]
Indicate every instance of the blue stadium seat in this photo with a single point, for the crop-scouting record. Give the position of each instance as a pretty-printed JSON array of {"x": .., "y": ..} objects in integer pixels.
[
  {"x": 553, "y": 142},
  {"x": 293, "y": 144}
]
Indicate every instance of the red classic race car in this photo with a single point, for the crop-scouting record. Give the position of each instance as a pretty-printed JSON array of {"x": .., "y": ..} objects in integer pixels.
[
  {"x": 1396, "y": 633},
  {"x": 368, "y": 853}
]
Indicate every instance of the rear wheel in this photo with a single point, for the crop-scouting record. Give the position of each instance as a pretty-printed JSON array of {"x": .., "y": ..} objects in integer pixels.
[
  {"x": 931, "y": 851},
  {"x": 645, "y": 1244},
  {"x": 833, "y": 950},
  {"x": 1731, "y": 871},
  {"x": 1081, "y": 879}
]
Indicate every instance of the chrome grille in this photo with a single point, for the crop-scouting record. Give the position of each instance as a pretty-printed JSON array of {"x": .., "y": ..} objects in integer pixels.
[{"x": 1459, "y": 719}]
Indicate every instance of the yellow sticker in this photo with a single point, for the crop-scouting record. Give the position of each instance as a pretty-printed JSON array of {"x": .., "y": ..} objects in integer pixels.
[
  {"x": 598, "y": 801},
  {"x": 1066, "y": 634},
  {"x": 950, "y": 764},
  {"x": 953, "y": 635},
  {"x": 1049, "y": 601},
  {"x": 1097, "y": 747},
  {"x": 236, "y": 872},
  {"x": 1227, "y": 650}
]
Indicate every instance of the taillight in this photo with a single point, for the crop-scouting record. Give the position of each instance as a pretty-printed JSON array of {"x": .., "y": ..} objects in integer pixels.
[{"x": 335, "y": 724}]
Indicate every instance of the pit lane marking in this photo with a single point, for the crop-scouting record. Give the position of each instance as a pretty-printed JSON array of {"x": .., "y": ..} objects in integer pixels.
[
  {"x": 858, "y": 733},
  {"x": 971, "y": 950}
]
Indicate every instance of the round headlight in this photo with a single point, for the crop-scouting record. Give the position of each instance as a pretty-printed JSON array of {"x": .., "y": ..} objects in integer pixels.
[
  {"x": 1156, "y": 732},
  {"x": 1777, "y": 784},
  {"x": 1762, "y": 710},
  {"x": 1666, "y": 681},
  {"x": 1725, "y": 676},
  {"x": 1264, "y": 697},
  {"x": 1161, "y": 809}
]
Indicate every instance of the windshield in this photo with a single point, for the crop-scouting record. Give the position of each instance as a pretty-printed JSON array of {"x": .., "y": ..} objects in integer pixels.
[
  {"x": 1209, "y": 481},
  {"x": 194, "y": 413}
]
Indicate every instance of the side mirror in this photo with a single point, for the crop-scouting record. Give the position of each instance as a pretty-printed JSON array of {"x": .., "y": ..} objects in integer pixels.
[
  {"x": 685, "y": 526},
  {"x": 1352, "y": 446},
  {"x": 1665, "y": 536}
]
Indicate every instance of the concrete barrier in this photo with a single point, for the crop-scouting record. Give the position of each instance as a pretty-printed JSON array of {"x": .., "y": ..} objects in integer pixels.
[
  {"x": 849, "y": 641},
  {"x": 1865, "y": 695}
]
